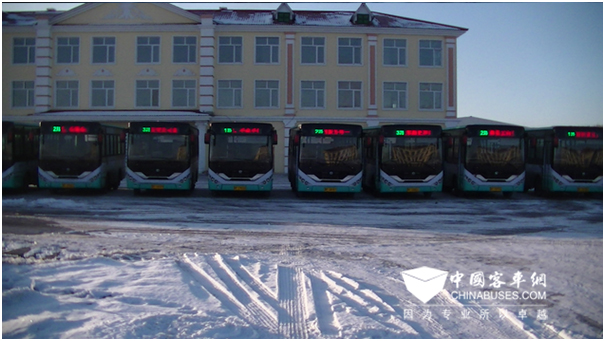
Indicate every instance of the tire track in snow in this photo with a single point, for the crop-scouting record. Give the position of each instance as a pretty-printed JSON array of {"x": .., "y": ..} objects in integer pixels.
[
  {"x": 292, "y": 298},
  {"x": 327, "y": 321},
  {"x": 225, "y": 296},
  {"x": 386, "y": 318},
  {"x": 265, "y": 316}
]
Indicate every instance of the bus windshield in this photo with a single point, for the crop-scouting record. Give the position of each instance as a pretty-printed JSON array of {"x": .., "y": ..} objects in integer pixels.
[
  {"x": 158, "y": 147},
  {"x": 83, "y": 147},
  {"x": 495, "y": 152},
  {"x": 581, "y": 155},
  {"x": 241, "y": 148},
  {"x": 330, "y": 150},
  {"x": 415, "y": 152}
]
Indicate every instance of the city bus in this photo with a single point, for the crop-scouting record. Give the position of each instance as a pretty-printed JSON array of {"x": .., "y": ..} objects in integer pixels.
[
  {"x": 484, "y": 158},
  {"x": 565, "y": 159},
  {"x": 162, "y": 156},
  {"x": 80, "y": 155},
  {"x": 240, "y": 156},
  {"x": 325, "y": 157},
  {"x": 20, "y": 144},
  {"x": 403, "y": 158}
]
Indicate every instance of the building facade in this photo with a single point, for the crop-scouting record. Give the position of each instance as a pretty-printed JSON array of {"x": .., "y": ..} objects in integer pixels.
[{"x": 123, "y": 62}]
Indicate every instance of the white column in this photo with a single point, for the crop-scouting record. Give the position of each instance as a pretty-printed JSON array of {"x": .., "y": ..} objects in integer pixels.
[
  {"x": 43, "y": 84},
  {"x": 207, "y": 50},
  {"x": 288, "y": 124},
  {"x": 202, "y": 163},
  {"x": 451, "y": 91}
]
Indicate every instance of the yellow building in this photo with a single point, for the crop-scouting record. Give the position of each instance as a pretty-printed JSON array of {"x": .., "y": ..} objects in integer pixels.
[{"x": 122, "y": 62}]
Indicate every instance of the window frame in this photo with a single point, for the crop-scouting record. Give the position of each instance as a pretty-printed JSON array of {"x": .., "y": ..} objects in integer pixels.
[
  {"x": 316, "y": 47},
  {"x": 159, "y": 48},
  {"x": 136, "y": 89},
  {"x": 384, "y": 47},
  {"x": 71, "y": 94},
  {"x": 106, "y": 90},
  {"x": 433, "y": 49},
  {"x": 72, "y": 48},
  {"x": 406, "y": 91},
  {"x": 233, "y": 90},
  {"x": 420, "y": 92},
  {"x": 353, "y": 47},
  {"x": 353, "y": 107},
  {"x": 29, "y": 94},
  {"x": 256, "y": 91},
  {"x": 315, "y": 93},
  {"x": 30, "y": 51},
  {"x": 190, "y": 92},
  {"x": 272, "y": 54},
  {"x": 189, "y": 47},
  {"x": 234, "y": 55},
  {"x": 107, "y": 52}
]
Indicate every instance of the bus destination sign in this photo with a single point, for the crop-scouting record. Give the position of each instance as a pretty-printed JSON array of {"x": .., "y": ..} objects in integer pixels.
[
  {"x": 70, "y": 129},
  {"x": 413, "y": 132},
  {"x": 331, "y": 132},
  {"x": 244, "y": 130},
  {"x": 583, "y": 134},
  {"x": 159, "y": 130},
  {"x": 497, "y": 133}
]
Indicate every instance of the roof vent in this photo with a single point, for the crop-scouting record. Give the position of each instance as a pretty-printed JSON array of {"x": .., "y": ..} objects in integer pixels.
[
  {"x": 284, "y": 14},
  {"x": 363, "y": 15}
]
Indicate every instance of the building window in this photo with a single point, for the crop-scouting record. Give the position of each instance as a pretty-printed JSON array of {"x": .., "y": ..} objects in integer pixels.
[
  {"x": 431, "y": 95},
  {"x": 312, "y": 94},
  {"x": 394, "y": 95},
  {"x": 394, "y": 52},
  {"x": 349, "y": 95},
  {"x": 24, "y": 50},
  {"x": 184, "y": 49},
  {"x": 266, "y": 94},
  {"x": 230, "y": 49},
  {"x": 148, "y": 93},
  {"x": 267, "y": 50},
  {"x": 230, "y": 94},
  {"x": 312, "y": 50},
  {"x": 23, "y": 94},
  {"x": 68, "y": 50},
  {"x": 183, "y": 93},
  {"x": 349, "y": 51},
  {"x": 430, "y": 53},
  {"x": 67, "y": 94},
  {"x": 148, "y": 49},
  {"x": 102, "y": 93},
  {"x": 103, "y": 50}
]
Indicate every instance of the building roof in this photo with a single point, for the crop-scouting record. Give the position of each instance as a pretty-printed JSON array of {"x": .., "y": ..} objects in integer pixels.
[{"x": 225, "y": 16}]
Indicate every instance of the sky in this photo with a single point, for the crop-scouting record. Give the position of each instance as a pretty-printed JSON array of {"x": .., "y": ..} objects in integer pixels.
[{"x": 532, "y": 64}]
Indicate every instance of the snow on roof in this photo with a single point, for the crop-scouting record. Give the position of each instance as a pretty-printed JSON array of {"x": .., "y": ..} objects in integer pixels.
[{"x": 265, "y": 17}]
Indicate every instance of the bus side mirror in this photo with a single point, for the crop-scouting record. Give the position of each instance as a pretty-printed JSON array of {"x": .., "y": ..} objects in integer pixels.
[
  {"x": 381, "y": 140},
  {"x": 207, "y": 138},
  {"x": 123, "y": 136},
  {"x": 274, "y": 138},
  {"x": 297, "y": 139}
]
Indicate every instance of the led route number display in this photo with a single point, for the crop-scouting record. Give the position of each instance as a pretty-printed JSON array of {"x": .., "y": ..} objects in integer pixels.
[
  {"x": 497, "y": 133},
  {"x": 331, "y": 132},
  {"x": 241, "y": 131},
  {"x": 159, "y": 130},
  {"x": 413, "y": 132},
  {"x": 583, "y": 134},
  {"x": 70, "y": 129}
]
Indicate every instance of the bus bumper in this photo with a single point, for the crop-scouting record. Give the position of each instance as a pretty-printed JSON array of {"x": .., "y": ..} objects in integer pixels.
[
  {"x": 306, "y": 184},
  {"x": 263, "y": 184},
  {"x": 181, "y": 182},
  {"x": 560, "y": 184},
  {"x": 93, "y": 180},
  {"x": 471, "y": 183},
  {"x": 390, "y": 185}
]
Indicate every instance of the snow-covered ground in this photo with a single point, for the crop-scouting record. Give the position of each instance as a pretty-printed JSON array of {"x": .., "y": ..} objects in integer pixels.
[{"x": 165, "y": 266}]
